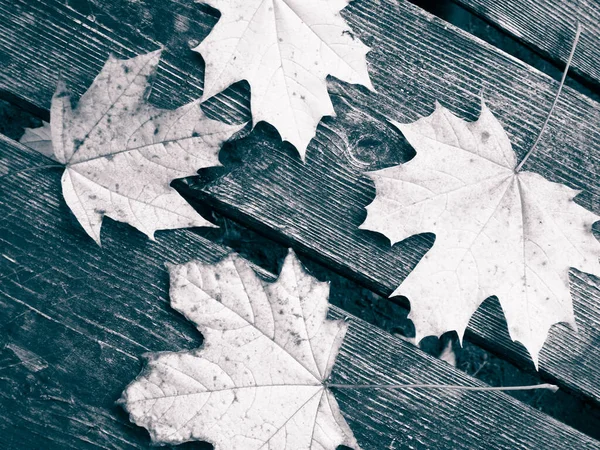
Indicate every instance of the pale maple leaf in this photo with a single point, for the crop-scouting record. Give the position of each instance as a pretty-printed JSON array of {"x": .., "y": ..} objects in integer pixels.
[
  {"x": 284, "y": 49},
  {"x": 259, "y": 381},
  {"x": 498, "y": 231},
  {"x": 120, "y": 153}
]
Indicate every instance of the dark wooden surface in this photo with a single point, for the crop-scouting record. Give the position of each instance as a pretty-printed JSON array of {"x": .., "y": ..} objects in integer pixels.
[
  {"x": 318, "y": 206},
  {"x": 76, "y": 318},
  {"x": 548, "y": 27}
]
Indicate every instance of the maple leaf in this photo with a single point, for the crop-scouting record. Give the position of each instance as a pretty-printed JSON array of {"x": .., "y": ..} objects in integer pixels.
[
  {"x": 498, "y": 231},
  {"x": 259, "y": 379},
  {"x": 120, "y": 153},
  {"x": 285, "y": 49}
]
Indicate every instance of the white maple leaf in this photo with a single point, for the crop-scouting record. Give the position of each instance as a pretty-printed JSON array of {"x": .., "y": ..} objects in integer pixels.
[
  {"x": 121, "y": 153},
  {"x": 284, "y": 49},
  {"x": 498, "y": 232},
  {"x": 259, "y": 379}
]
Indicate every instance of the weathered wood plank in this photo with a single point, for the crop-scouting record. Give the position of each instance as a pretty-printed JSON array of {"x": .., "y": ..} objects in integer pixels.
[
  {"x": 548, "y": 26},
  {"x": 75, "y": 319},
  {"x": 277, "y": 194},
  {"x": 318, "y": 206}
]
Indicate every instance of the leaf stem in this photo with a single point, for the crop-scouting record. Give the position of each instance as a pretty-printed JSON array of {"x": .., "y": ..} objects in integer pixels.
[
  {"x": 562, "y": 82},
  {"x": 548, "y": 386},
  {"x": 31, "y": 169}
]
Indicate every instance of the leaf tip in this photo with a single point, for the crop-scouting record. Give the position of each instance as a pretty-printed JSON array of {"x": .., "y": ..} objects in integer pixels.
[
  {"x": 573, "y": 324},
  {"x": 96, "y": 239},
  {"x": 461, "y": 336},
  {"x": 61, "y": 88},
  {"x": 302, "y": 153},
  {"x": 207, "y": 94},
  {"x": 368, "y": 83},
  {"x": 122, "y": 400}
]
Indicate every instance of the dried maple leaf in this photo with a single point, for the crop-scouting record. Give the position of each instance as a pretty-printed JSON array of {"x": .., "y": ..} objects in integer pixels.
[
  {"x": 285, "y": 49},
  {"x": 259, "y": 379},
  {"x": 121, "y": 153},
  {"x": 498, "y": 231}
]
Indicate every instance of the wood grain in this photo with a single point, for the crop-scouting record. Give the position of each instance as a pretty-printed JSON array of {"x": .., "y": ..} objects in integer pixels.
[
  {"x": 548, "y": 27},
  {"x": 76, "y": 318},
  {"x": 318, "y": 206}
]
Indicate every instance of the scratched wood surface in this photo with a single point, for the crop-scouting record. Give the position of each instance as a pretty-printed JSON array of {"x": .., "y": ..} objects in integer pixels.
[
  {"x": 318, "y": 206},
  {"x": 548, "y": 27},
  {"x": 76, "y": 318}
]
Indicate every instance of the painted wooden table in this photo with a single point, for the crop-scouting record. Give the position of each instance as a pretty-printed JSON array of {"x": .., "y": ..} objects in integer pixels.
[{"x": 76, "y": 318}]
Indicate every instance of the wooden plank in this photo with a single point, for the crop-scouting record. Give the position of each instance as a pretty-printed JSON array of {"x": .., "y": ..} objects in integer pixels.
[
  {"x": 318, "y": 206},
  {"x": 75, "y": 319},
  {"x": 548, "y": 26},
  {"x": 275, "y": 193}
]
